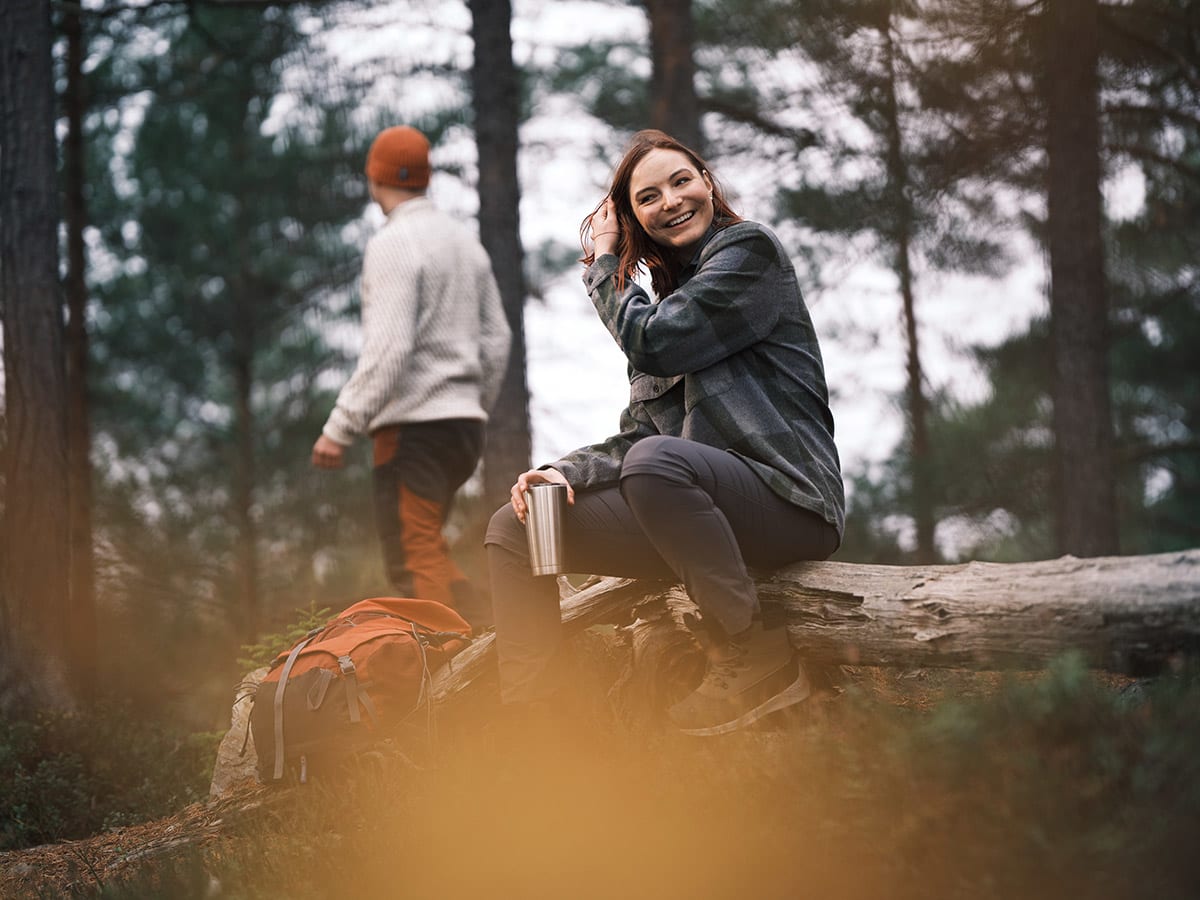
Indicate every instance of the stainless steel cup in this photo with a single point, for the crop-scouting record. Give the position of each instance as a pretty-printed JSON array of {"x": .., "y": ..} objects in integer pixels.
[{"x": 545, "y": 510}]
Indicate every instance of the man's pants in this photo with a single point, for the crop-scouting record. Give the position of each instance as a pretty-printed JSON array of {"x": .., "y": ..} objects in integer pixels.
[
  {"x": 418, "y": 468},
  {"x": 683, "y": 511}
]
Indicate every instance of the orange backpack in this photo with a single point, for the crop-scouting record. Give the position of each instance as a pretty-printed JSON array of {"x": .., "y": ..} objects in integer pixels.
[{"x": 346, "y": 685}]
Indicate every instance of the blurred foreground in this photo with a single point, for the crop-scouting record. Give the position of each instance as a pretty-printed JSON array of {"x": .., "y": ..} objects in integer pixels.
[{"x": 921, "y": 784}]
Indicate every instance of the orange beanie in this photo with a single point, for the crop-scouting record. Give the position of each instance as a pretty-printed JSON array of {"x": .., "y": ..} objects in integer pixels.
[{"x": 399, "y": 157}]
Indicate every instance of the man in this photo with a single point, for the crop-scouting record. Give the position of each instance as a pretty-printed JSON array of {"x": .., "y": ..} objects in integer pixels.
[{"x": 435, "y": 345}]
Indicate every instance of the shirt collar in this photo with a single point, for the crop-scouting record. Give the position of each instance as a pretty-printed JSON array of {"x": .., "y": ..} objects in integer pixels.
[
  {"x": 689, "y": 268},
  {"x": 408, "y": 206}
]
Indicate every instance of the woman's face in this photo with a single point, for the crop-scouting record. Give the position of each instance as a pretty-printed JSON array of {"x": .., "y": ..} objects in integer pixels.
[{"x": 671, "y": 200}]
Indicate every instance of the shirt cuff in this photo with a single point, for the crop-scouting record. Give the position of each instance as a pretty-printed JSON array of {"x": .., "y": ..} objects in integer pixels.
[
  {"x": 337, "y": 430},
  {"x": 604, "y": 266}
]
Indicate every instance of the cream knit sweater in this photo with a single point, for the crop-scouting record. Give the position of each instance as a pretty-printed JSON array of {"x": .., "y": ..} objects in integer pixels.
[{"x": 435, "y": 339}]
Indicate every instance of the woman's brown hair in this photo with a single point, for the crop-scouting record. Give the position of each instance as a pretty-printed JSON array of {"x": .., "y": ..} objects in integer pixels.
[{"x": 634, "y": 247}]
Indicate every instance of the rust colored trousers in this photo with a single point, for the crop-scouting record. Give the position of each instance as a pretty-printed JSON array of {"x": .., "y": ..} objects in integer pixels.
[{"x": 418, "y": 468}]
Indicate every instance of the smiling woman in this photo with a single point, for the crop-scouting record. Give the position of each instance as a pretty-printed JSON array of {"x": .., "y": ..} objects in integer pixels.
[
  {"x": 725, "y": 458},
  {"x": 662, "y": 203},
  {"x": 672, "y": 201}
]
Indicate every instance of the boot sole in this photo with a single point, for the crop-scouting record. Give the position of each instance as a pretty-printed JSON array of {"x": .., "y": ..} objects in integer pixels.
[{"x": 796, "y": 692}]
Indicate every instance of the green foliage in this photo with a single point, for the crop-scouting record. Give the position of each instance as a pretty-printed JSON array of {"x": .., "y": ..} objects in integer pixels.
[
  {"x": 67, "y": 776},
  {"x": 915, "y": 785},
  {"x": 604, "y": 76},
  {"x": 1060, "y": 785},
  {"x": 994, "y": 457},
  {"x": 264, "y": 651}
]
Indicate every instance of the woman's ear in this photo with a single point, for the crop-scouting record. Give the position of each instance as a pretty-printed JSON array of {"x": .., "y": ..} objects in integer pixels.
[{"x": 707, "y": 180}]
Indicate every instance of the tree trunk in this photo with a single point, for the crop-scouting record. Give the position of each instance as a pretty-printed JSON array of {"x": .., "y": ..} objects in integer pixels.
[
  {"x": 243, "y": 320},
  {"x": 244, "y": 481},
  {"x": 674, "y": 107},
  {"x": 35, "y": 545},
  {"x": 496, "y": 104},
  {"x": 1086, "y": 520},
  {"x": 82, "y": 637},
  {"x": 901, "y": 235},
  {"x": 1124, "y": 614}
]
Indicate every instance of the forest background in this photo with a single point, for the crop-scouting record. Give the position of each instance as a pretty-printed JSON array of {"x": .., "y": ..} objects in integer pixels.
[{"x": 994, "y": 208}]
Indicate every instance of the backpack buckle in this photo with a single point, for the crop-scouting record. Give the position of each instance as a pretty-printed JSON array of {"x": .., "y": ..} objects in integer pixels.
[{"x": 346, "y": 665}]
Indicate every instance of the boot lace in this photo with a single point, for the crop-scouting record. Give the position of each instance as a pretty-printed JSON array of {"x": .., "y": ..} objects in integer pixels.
[{"x": 722, "y": 672}]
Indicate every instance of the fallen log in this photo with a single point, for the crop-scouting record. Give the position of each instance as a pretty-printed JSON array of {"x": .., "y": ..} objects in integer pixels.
[
  {"x": 1122, "y": 613},
  {"x": 1126, "y": 614},
  {"x": 1129, "y": 614}
]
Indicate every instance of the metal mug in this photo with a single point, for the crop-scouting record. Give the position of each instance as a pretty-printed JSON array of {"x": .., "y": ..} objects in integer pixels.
[{"x": 545, "y": 512}]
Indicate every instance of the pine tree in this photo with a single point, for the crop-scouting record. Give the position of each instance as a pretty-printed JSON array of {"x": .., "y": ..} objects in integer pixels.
[
  {"x": 35, "y": 609},
  {"x": 228, "y": 233},
  {"x": 884, "y": 180},
  {"x": 674, "y": 106},
  {"x": 495, "y": 100},
  {"x": 1148, "y": 125}
]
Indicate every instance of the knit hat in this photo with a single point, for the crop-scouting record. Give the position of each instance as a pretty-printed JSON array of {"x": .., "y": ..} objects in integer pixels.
[{"x": 399, "y": 157}]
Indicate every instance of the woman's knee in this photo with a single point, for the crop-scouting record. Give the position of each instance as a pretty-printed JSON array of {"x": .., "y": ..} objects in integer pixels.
[
  {"x": 505, "y": 530},
  {"x": 649, "y": 452},
  {"x": 656, "y": 461}
]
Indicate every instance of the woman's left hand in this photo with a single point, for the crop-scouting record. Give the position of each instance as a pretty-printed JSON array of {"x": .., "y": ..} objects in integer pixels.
[
  {"x": 604, "y": 227},
  {"x": 536, "y": 476}
]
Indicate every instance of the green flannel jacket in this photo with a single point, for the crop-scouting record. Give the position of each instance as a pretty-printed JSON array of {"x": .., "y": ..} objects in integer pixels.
[{"x": 731, "y": 360}]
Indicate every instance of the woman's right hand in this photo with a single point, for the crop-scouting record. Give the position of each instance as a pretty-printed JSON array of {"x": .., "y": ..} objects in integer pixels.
[
  {"x": 605, "y": 228},
  {"x": 535, "y": 476}
]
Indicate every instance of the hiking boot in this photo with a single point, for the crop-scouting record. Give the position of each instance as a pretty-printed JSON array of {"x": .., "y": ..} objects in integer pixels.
[{"x": 752, "y": 674}]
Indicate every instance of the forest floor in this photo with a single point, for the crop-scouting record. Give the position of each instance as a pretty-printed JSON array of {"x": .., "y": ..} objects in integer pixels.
[
  {"x": 253, "y": 823},
  {"x": 79, "y": 866}
]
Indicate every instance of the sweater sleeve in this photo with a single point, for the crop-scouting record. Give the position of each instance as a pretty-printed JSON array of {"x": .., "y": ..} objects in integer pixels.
[
  {"x": 390, "y": 285},
  {"x": 726, "y": 306}
]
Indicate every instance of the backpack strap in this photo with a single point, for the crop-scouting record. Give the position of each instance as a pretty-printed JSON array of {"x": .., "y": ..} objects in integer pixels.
[
  {"x": 316, "y": 694},
  {"x": 283, "y": 677},
  {"x": 349, "y": 674},
  {"x": 355, "y": 692}
]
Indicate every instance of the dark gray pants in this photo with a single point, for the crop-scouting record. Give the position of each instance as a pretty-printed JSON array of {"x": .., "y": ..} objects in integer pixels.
[{"x": 684, "y": 512}]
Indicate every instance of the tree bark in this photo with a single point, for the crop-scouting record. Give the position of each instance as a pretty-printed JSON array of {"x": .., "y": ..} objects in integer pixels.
[
  {"x": 674, "y": 107},
  {"x": 243, "y": 318},
  {"x": 244, "y": 480},
  {"x": 82, "y": 636},
  {"x": 35, "y": 544},
  {"x": 496, "y": 103},
  {"x": 1124, "y": 614},
  {"x": 1086, "y": 520}
]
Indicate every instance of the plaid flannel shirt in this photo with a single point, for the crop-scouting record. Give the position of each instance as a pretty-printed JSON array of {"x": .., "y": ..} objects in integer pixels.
[{"x": 730, "y": 359}]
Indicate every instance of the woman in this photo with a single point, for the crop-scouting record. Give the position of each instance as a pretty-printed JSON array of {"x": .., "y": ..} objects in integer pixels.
[{"x": 725, "y": 457}]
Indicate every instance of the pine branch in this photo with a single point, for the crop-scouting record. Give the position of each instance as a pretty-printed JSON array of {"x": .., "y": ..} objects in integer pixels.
[{"x": 803, "y": 137}]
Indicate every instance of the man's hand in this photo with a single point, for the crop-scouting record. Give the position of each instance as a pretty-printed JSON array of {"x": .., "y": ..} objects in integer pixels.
[{"x": 328, "y": 454}]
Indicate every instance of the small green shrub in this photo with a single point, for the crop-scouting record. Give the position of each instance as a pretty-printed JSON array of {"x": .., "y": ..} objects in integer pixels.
[
  {"x": 70, "y": 775},
  {"x": 1053, "y": 786},
  {"x": 255, "y": 656}
]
